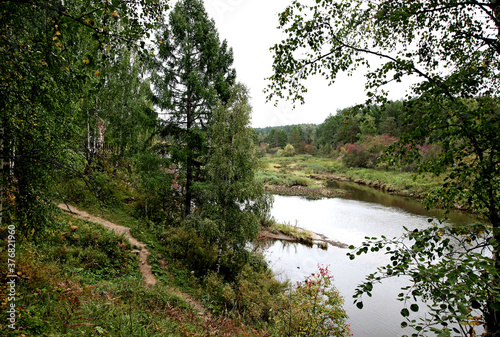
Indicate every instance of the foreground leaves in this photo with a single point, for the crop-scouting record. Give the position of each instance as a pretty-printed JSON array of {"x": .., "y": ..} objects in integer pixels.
[{"x": 450, "y": 270}]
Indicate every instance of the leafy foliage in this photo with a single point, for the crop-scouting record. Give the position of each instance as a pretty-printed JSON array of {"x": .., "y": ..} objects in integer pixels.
[
  {"x": 277, "y": 138},
  {"x": 288, "y": 151},
  {"x": 450, "y": 268},
  {"x": 53, "y": 52},
  {"x": 233, "y": 201},
  {"x": 451, "y": 45},
  {"x": 313, "y": 308}
]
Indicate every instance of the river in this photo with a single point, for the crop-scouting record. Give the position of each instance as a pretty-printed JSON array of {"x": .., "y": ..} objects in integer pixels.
[{"x": 364, "y": 212}]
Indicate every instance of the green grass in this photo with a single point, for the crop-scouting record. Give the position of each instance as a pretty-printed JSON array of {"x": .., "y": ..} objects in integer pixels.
[
  {"x": 407, "y": 182},
  {"x": 285, "y": 179},
  {"x": 296, "y": 170},
  {"x": 82, "y": 280},
  {"x": 292, "y": 230}
]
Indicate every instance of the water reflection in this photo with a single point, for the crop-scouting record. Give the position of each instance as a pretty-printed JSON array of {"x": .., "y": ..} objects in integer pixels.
[
  {"x": 411, "y": 205},
  {"x": 347, "y": 220}
]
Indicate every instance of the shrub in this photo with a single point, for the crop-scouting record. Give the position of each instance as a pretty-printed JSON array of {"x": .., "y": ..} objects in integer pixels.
[
  {"x": 253, "y": 295},
  {"x": 272, "y": 150},
  {"x": 358, "y": 156},
  {"x": 75, "y": 191},
  {"x": 302, "y": 181},
  {"x": 186, "y": 244},
  {"x": 429, "y": 152},
  {"x": 313, "y": 308},
  {"x": 308, "y": 148},
  {"x": 377, "y": 144},
  {"x": 289, "y": 151},
  {"x": 260, "y": 152}
]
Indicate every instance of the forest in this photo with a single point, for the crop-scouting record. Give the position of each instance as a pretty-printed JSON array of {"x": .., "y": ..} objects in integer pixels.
[{"x": 132, "y": 111}]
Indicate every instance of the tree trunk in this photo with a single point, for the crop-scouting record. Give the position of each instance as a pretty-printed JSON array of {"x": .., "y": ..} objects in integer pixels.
[
  {"x": 189, "y": 161},
  {"x": 88, "y": 137},
  {"x": 492, "y": 316},
  {"x": 219, "y": 256},
  {"x": 189, "y": 173},
  {"x": 1, "y": 173}
]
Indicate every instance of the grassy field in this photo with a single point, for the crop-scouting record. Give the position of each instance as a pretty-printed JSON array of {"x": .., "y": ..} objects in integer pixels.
[{"x": 313, "y": 173}]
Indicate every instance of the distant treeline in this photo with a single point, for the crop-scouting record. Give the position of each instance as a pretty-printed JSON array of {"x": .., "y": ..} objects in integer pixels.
[{"x": 346, "y": 126}]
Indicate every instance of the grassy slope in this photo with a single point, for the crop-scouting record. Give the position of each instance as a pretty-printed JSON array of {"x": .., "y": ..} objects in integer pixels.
[{"x": 82, "y": 280}]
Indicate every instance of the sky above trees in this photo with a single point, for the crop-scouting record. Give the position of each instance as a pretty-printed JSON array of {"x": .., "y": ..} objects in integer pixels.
[{"x": 250, "y": 28}]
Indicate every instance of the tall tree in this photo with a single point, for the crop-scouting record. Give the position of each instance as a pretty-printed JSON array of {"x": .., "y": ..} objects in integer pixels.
[
  {"x": 391, "y": 118},
  {"x": 192, "y": 71},
  {"x": 296, "y": 136},
  {"x": 233, "y": 200},
  {"x": 126, "y": 106},
  {"x": 453, "y": 47},
  {"x": 277, "y": 137}
]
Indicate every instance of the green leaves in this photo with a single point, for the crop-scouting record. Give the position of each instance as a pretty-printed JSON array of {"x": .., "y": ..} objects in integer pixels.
[
  {"x": 53, "y": 51},
  {"x": 330, "y": 38},
  {"x": 190, "y": 73},
  {"x": 443, "y": 273},
  {"x": 232, "y": 198},
  {"x": 454, "y": 105}
]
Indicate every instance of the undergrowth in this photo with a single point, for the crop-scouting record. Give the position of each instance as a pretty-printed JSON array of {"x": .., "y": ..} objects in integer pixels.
[{"x": 79, "y": 279}]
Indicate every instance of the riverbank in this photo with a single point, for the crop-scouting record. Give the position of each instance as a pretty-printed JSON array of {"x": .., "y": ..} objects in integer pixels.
[
  {"x": 316, "y": 192},
  {"x": 286, "y": 232},
  {"x": 310, "y": 177}
]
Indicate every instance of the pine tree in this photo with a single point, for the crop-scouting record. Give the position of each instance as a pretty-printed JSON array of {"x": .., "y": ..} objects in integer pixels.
[{"x": 192, "y": 71}]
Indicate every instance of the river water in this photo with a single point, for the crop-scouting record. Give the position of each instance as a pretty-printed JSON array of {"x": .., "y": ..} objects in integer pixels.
[{"x": 364, "y": 212}]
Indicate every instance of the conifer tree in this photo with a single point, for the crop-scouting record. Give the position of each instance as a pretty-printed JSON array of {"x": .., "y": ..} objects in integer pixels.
[{"x": 191, "y": 72}]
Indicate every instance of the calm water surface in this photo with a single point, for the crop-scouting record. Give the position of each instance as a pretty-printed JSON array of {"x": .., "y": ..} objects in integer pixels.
[{"x": 349, "y": 221}]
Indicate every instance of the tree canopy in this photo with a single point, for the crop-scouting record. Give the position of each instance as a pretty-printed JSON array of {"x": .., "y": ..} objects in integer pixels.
[
  {"x": 452, "y": 46},
  {"x": 52, "y": 60},
  {"x": 233, "y": 200}
]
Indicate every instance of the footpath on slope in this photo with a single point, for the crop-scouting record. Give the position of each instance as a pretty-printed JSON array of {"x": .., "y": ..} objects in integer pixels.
[{"x": 144, "y": 266}]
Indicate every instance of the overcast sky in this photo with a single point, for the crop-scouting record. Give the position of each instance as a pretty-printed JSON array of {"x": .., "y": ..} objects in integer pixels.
[{"x": 249, "y": 26}]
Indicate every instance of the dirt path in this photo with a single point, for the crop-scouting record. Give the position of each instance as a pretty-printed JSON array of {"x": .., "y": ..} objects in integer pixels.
[{"x": 144, "y": 266}]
